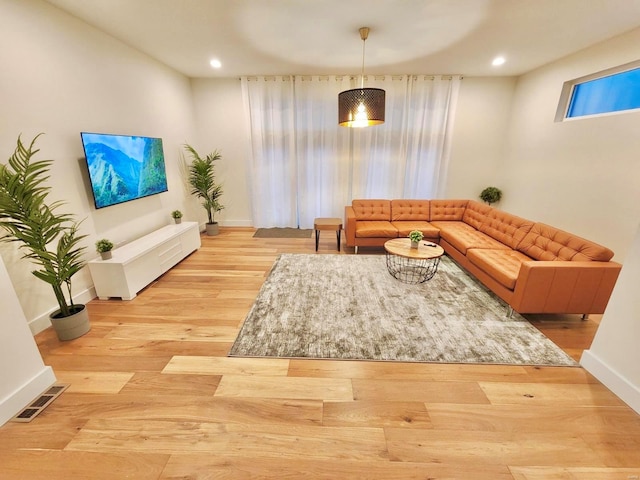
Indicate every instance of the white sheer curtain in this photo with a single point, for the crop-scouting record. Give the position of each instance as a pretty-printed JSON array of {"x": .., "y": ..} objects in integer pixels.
[
  {"x": 269, "y": 104},
  {"x": 303, "y": 165},
  {"x": 322, "y": 149}
]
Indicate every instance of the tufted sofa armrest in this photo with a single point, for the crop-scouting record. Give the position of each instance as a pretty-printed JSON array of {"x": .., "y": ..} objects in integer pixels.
[{"x": 564, "y": 286}]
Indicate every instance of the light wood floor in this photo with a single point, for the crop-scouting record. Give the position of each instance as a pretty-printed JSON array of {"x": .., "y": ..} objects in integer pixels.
[{"x": 153, "y": 396}]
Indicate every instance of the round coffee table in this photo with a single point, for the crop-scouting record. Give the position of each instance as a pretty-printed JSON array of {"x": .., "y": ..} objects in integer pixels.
[{"x": 412, "y": 265}]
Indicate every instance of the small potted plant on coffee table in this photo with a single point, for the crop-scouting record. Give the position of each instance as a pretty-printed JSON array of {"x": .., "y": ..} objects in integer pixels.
[
  {"x": 415, "y": 236},
  {"x": 177, "y": 216},
  {"x": 104, "y": 247}
]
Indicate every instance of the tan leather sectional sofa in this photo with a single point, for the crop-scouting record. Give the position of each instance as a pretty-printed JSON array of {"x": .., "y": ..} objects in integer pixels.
[{"x": 533, "y": 267}]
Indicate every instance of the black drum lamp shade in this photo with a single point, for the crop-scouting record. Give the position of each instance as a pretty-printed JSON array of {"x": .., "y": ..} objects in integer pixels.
[{"x": 361, "y": 107}]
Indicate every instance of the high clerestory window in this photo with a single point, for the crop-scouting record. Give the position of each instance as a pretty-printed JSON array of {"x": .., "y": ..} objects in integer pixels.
[{"x": 611, "y": 91}]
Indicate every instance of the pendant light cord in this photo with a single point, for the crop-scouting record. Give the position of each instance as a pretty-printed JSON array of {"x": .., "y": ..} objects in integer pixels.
[
  {"x": 362, "y": 74},
  {"x": 364, "y": 33}
]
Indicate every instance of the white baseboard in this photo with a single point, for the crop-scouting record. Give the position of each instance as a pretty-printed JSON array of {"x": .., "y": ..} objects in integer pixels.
[
  {"x": 618, "y": 384},
  {"x": 42, "y": 322},
  {"x": 13, "y": 403},
  {"x": 236, "y": 223}
]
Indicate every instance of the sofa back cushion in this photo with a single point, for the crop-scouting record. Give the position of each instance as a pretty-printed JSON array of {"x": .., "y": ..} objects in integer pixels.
[
  {"x": 372, "y": 209},
  {"x": 476, "y": 214},
  {"x": 548, "y": 243},
  {"x": 403, "y": 210},
  {"x": 505, "y": 227},
  {"x": 447, "y": 210}
]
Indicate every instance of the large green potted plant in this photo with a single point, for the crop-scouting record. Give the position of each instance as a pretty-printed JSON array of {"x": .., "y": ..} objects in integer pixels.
[
  {"x": 203, "y": 185},
  {"x": 46, "y": 237}
]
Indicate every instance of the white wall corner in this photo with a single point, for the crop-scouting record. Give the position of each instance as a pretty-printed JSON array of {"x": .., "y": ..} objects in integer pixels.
[
  {"x": 613, "y": 380},
  {"x": 25, "y": 394}
]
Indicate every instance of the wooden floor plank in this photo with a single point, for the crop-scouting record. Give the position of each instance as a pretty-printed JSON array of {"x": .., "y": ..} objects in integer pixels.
[
  {"x": 376, "y": 413},
  {"x": 48, "y": 464},
  {"x": 179, "y": 332},
  {"x": 574, "y": 473},
  {"x": 535, "y": 418},
  {"x": 151, "y": 383},
  {"x": 207, "y": 365},
  {"x": 417, "y": 391},
  {"x": 279, "y": 441},
  {"x": 491, "y": 448},
  {"x": 188, "y": 408},
  {"x": 94, "y": 382},
  {"x": 285, "y": 387},
  {"x": 207, "y": 467},
  {"x": 528, "y": 394},
  {"x": 176, "y": 407}
]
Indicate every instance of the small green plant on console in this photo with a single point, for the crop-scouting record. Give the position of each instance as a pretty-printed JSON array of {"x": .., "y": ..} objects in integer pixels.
[{"x": 104, "y": 245}]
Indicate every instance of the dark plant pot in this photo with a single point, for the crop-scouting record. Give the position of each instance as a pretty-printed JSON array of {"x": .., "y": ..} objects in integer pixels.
[
  {"x": 106, "y": 255},
  {"x": 73, "y": 326},
  {"x": 212, "y": 228},
  {"x": 177, "y": 220}
]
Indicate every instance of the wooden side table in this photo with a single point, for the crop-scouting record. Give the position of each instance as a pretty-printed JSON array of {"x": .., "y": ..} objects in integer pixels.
[{"x": 334, "y": 224}]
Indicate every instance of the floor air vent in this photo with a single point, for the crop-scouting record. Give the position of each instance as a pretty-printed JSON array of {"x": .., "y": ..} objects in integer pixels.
[{"x": 40, "y": 403}]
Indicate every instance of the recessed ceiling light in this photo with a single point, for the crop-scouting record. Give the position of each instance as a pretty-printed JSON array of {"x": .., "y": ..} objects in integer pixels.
[
  {"x": 498, "y": 61},
  {"x": 215, "y": 63}
]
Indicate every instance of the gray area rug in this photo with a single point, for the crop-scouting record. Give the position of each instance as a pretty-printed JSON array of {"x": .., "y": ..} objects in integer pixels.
[
  {"x": 349, "y": 307},
  {"x": 278, "y": 232}
]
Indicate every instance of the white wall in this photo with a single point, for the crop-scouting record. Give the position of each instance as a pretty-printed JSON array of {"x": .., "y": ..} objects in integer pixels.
[
  {"x": 582, "y": 175},
  {"x": 221, "y": 125},
  {"x": 614, "y": 356},
  {"x": 61, "y": 76},
  {"x": 23, "y": 375},
  {"x": 481, "y": 120}
]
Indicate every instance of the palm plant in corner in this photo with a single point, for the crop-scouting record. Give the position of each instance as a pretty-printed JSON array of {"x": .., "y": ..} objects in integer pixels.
[
  {"x": 46, "y": 237},
  {"x": 203, "y": 185}
]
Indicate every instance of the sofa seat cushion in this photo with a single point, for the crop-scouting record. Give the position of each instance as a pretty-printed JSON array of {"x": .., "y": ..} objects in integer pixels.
[
  {"x": 375, "y": 229},
  {"x": 549, "y": 243},
  {"x": 463, "y": 236},
  {"x": 428, "y": 230},
  {"x": 501, "y": 265}
]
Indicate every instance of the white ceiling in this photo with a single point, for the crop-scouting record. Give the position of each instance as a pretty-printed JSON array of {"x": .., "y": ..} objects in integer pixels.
[{"x": 269, "y": 37}]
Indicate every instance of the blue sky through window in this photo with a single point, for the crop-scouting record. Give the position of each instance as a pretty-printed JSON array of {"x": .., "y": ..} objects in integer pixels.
[{"x": 613, "y": 93}]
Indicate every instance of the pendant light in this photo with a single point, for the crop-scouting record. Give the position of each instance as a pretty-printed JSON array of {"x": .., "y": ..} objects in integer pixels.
[{"x": 361, "y": 107}]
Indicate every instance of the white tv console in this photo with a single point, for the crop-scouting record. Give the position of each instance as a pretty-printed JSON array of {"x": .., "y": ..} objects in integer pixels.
[{"x": 138, "y": 263}]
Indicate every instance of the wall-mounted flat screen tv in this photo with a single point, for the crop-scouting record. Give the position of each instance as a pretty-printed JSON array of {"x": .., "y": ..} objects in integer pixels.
[{"x": 123, "y": 167}]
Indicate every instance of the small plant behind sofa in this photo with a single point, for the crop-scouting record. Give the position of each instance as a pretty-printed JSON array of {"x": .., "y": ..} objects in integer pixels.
[{"x": 491, "y": 195}]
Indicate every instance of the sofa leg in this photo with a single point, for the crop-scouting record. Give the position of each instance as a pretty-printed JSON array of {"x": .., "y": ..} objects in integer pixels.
[
  {"x": 585, "y": 317},
  {"x": 356, "y": 249},
  {"x": 510, "y": 312}
]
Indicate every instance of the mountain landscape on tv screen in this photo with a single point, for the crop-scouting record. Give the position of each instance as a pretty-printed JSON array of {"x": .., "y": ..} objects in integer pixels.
[{"x": 117, "y": 178}]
